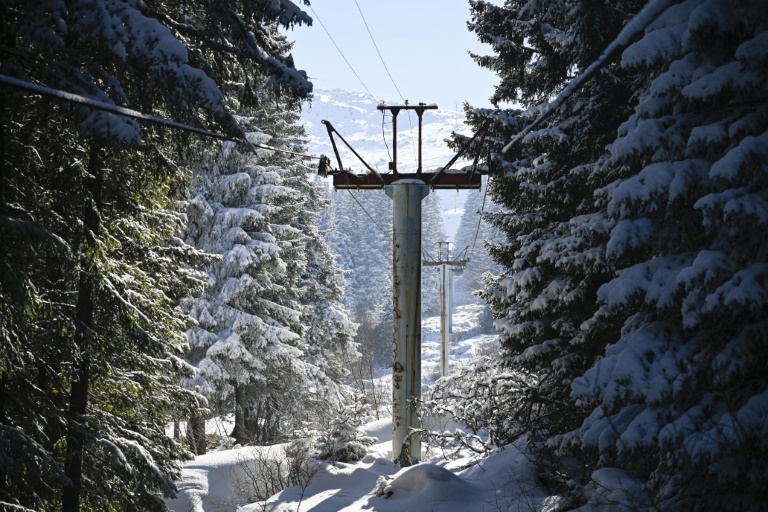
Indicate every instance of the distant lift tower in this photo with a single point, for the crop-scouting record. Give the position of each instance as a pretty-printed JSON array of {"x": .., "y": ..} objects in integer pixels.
[
  {"x": 447, "y": 268},
  {"x": 407, "y": 192}
]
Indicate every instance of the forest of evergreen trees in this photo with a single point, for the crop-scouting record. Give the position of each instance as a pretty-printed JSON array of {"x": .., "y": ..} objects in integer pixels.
[{"x": 149, "y": 276}]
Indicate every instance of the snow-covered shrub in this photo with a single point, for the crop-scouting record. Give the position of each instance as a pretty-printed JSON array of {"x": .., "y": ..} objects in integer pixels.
[
  {"x": 383, "y": 487},
  {"x": 485, "y": 397},
  {"x": 344, "y": 441},
  {"x": 263, "y": 471}
]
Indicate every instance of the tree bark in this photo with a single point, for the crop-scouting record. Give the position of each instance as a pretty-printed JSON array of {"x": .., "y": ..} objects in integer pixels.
[
  {"x": 240, "y": 431},
  {"x": 84, "y": 315},
  {"x": 196, "y": 435}
]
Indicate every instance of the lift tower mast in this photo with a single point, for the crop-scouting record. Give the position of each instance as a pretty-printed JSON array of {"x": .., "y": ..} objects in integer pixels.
[
  {"x": 447, "y": 268},
  {"x": 407, "y": 191}
]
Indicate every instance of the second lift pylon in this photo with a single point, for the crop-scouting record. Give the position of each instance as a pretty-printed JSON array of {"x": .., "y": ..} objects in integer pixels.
[{"x": 448, "y": 268}]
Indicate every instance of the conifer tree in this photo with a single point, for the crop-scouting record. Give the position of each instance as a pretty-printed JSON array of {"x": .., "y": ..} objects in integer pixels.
[
  {"x": 89, "y": 208},
  {"x": 272, "y": 331},
  {"x": 553, "y": 256},
  {"x": 633, "y": 288},
  {"x": 678, "y": 401},
  {"x": 367, "y": 266}
]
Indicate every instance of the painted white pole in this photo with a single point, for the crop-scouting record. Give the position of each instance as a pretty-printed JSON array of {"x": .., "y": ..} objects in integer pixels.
[
  {"x": 450, "y": 300},
  {"x": 406, "y": 347},
  {"x": 444, "y": 319}
]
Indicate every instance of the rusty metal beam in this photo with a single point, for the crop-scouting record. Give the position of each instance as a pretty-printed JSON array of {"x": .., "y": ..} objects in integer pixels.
[
  {"x": 446, "y": 180},
  {"x": 331, "y": 130},
  {"x": 453, "y": 160},
  {"x": 461, "y": 264}
]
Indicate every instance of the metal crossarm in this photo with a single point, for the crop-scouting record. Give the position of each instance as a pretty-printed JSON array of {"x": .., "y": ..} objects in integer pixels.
[
  {"x": 331, "y": 131},
  {"x": 445, "y": 178},
  {"x": 483, "y": 130}
]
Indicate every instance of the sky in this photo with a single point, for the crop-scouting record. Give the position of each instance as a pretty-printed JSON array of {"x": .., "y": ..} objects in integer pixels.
[{"x": 424, "y": 44}]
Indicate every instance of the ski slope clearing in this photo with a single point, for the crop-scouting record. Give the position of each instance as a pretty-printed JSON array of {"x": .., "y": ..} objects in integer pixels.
[
  {"x": 219, "y": 481},
  {"x": 503, "y": 481}
]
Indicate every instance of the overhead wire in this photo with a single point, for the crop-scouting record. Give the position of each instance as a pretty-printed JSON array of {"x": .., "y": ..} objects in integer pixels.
[
  {"x": 370, "y": 216},
  {"x": 652, "y": 10},
  {"x": 133, "y": 114},
  {"x": 377, "y": 50},
  {"x": 640, "y": 22},
  {"x": 342, "y": 53},
  {"x": 479, "y": 220},
  {"x": 383, "y": 136},
  {"x": 381, "y": 58}
]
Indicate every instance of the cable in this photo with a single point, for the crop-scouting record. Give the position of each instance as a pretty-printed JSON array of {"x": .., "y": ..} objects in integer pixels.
[
  {"x": 381, "y": 58},
  {"x": 652, "y": 10},
  {"x": 342, "y": 53},
  {"x": 270, "y": 148},
  {"x": 377, "y": 51},
  {"x": 369, "y": 215},
  {"x": 383, "y": 135},
  {"x": 107, "y": 107},
  {"x": 479, "y": 219},
  {"x": 133, "y": 114}
]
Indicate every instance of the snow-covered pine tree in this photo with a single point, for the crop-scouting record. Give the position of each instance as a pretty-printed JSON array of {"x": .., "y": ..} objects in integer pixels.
[
  {"x": 91, "y": 271},
  {"x": 242, "y": 331},
  {"x": 137, "y": 271},
  {"x": 680, "y": 399},
  {"x": 272, "y": 329},
  {"x": 328, "y": 331},
  {"x": 343, "y": 441},
  {"x": 555, "y": 230},
  {"x": 363, "y": 251},
  {"x": 664, "y": 240}
]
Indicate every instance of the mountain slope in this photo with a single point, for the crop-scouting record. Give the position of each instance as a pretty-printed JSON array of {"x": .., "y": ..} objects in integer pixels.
[{"x": 356, "y": 118}]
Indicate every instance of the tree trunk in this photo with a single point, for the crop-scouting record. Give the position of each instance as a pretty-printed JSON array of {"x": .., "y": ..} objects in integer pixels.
[
  {"x": 84, "y": 314},
  {"x": 176, "y": 429},
  {"x": 196, "y": 435},
  {"x": 240, "y": 431}
]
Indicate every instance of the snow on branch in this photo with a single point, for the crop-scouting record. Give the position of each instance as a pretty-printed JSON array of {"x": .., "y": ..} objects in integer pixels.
[{"x": 638, "y": 24}]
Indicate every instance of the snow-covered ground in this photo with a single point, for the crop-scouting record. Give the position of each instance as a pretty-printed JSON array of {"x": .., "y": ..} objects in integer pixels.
[{"x": 504, "y": 481}]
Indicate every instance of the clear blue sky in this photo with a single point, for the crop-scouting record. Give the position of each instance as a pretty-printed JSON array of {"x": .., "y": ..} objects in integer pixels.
[{"x": 424, "y": 44}]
